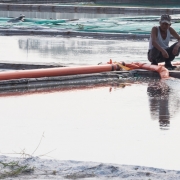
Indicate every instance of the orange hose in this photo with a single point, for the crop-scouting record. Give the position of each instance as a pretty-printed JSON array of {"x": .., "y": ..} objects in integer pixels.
[
  {"x": 177, "y": 63},
  {"x": 60, "y": 71},
  {"x": 163, "y": 72},
  {"x": 63, "y": 71}
]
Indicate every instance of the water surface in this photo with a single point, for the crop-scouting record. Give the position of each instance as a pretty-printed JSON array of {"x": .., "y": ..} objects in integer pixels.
[
  {"x": 136, "y": 125},
  {"x": 72, "y": 51},
  {"x": 105, "y": 124}
]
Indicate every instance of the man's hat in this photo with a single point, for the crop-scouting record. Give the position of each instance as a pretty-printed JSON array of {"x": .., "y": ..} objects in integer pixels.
[{"x": 165, "y": 18}]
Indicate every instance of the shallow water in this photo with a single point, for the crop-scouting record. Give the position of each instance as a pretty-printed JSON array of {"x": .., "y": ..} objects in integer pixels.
[
  {"x": 135, "y": 125},
  {"x": 72, "y": 51},
  {"x": 52, "y": 15}
]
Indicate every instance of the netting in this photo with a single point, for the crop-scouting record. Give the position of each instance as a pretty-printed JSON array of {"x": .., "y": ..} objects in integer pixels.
[{"x": 130, "y": 24}]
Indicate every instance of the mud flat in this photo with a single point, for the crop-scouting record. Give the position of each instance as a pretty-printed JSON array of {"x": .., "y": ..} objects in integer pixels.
[
  {"x": 69, "y": 33},
  {"x": 36, "y": 168}
]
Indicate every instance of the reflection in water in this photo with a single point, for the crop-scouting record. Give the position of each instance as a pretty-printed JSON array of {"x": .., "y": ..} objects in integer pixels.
[
  {"x": 84, "y": 51},
  {"x": 164, "y": 102},
  {"x": 41, "y": 89},
  {"x": 54, "y": 15},
  {"x": 78, "y": 51}
]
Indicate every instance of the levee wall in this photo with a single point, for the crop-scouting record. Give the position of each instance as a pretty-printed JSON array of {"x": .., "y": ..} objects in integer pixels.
[
  {"x": 148, "y": 2},
  {"x": 144, "y": 2}
]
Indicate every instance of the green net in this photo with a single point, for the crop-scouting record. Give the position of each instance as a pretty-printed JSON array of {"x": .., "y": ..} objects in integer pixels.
[{"x": 126, "y": 25}]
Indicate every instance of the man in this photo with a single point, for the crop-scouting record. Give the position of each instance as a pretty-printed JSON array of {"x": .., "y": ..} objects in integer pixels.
[
  {"x": 159, "y": 50},
  {"x": 17, "y": 19}
]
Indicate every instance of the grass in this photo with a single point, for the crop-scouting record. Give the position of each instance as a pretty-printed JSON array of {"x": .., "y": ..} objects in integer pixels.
[{"x": 14, "y": 168}]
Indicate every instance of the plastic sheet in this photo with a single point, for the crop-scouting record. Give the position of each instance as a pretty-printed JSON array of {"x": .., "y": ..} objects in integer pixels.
[{"x": 126, "y": 25}]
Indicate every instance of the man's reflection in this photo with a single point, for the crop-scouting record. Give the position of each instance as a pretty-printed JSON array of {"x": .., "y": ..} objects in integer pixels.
[{"x": 159, "y": 94}]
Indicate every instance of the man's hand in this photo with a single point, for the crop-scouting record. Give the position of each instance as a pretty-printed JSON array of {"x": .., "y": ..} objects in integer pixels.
[
  {"x": 165, "y": 54},
  {"x": 175, "y": 49}
]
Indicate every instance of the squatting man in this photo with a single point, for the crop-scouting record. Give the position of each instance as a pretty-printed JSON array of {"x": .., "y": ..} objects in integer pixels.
[{"x": 159, "y": 50}]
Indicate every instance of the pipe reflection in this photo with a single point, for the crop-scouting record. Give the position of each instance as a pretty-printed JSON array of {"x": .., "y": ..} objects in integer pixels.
[{"x": 46, "y": 90}]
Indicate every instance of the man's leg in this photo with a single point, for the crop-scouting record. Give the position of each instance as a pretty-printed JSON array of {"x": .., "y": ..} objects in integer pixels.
[
  {"x": 171, "y": 57},
  {"x": 155, "y": 56}
]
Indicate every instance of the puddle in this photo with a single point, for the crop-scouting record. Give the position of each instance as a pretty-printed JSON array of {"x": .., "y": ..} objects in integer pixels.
[
  {"x": 104, "y": 124},
  {"x": 137, "y": 125},
  {"x": 71, "y": 51},
  {"x": 77, "y": 51},
  {"x": 52, "y": 15}
]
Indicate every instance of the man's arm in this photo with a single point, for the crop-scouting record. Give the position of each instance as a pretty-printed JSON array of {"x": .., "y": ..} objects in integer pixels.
[
  {"x": 175, "y": 35},
  {"x": 154, "y": 33}
]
